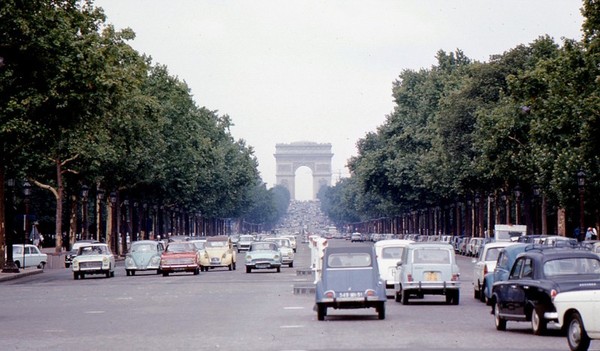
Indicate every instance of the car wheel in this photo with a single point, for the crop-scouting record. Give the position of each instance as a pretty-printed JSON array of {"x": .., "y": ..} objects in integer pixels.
[
  {"x": 381, "y": 311},
  {"x": 291, "y": 264},
  {"x": 576, "y": 335},
  {"x": 248, "y": 269},
  {"x": 476, "y": 293},
  {"x": 75, "y": 275},
  {"x": 234, "y": 266},
  {"x": 482, "y": 294},
  {"x": 165, "y": 274},
  {"x": 42, "y": 265},
  {"x": 18, "y": 264},
  {"x": 321, "y": 312},
  {"x": 127, "y": 272},
  {"x": 108, "y": 273},
  {"x": 456, "y": 297},
  {"x": 132, "y": 273},
  {"x": 196, "y": 271},
  {"x": 498, "y": 320},
  {"x": 397, "y": 297},
  {"x": 230, "y": 266},
  {"x": 81, "y": 275},
  {"x": 278, "y": 269},
  {"x": 112, "y": 274},
  {"x": 404, "y": 298},
  {"x": 538, "y": 323}
]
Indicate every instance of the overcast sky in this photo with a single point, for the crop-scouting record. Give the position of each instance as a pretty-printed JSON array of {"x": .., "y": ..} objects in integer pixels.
[{"x": 321, "y": 71}]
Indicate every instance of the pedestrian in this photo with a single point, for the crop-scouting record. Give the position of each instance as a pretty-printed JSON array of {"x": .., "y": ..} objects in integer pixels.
[
  {"x": 589, "y": 234},
  {"x": 34, "y": 235},
  {"x": 41, "y": 241}
]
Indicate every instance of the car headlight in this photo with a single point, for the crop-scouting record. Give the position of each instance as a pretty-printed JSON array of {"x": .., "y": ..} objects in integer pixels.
[
  {"x": 129, "y": 262},
  {"x": 248, "y": 258},
  {"x": 206, "y": 255},
  {"x": 276, "y": 257},
  {"x": 75, "y": 265},
  {"x": 155, "y": 260}
]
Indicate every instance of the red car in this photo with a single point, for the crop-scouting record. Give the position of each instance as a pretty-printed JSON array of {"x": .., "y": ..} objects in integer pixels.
[{"x": 180, "y": 256}]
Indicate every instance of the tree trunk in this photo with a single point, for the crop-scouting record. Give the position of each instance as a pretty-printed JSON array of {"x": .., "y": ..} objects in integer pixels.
[{"x": 59, "y": 204}]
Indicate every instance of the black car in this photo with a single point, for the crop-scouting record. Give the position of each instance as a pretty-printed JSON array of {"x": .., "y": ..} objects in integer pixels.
[
  {"x": 350, "y": 279},
  {"x": 537, "y": 275}
]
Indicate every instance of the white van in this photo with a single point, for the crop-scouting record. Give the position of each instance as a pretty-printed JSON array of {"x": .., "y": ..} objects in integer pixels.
[
  {"x": 509, "y": 232},
  {"x": 389, "y": 252}
]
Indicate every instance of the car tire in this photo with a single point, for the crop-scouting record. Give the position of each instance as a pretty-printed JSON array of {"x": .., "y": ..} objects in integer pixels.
[
  {"x": 456, "y": 298},
  {"x": 127, "y": 272},
  {"x": 230, "y": 266},
  {"x": 196, "y": 271},
  {"x": 397, "y": 297},
  {"x": 75, "y": 276},
  {"x": 42, "y": 265},
  {"x": 321, "y": 312},
  {"x": 234, "y": 266},
  {"x": 476, "y": 293},
  {"x": 67, "y": 265},
  {"x": 81, "y": 275},
  {"x": 108, "y": 273},
  {"x": 112, "y": 274},
  {"x": 381, "y": 310},
  {"x": 132, "y": 273},
  {"x": 278, "y": 269},
  {"x": 291, "y": 264},
  {"x": 577, "y": 337},
  {"x": 18, "y": 264},
  {"x": 482, "y": 293},
  {"x": 498, "y": 320},
  {"x": 248, "y": 269},
  {"x": 538, "y": 323},
  {"x": 404, "y": 298},
  {"x": 165, "y": 274}
]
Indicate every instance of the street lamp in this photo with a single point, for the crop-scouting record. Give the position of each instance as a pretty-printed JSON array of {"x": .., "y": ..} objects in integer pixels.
[
  {"x": 581, "y": 186},
  {"x": 9, "y": 265},
  {"x": 536, "y": 196},
  {"x": 84, "y": 195},
  {"x": 99, "y": 197},
  {"x": 517, "y": 203},
  {"x": 26, "y": 194},
  {"x": 112, "y": 238}
]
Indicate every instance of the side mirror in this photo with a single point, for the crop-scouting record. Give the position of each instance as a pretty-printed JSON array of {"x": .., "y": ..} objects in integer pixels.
[{"x": 399, "y": 263}]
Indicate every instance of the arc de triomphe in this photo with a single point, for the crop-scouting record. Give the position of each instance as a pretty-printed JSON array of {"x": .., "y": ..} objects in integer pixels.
[{"x": 290, "y": 157}]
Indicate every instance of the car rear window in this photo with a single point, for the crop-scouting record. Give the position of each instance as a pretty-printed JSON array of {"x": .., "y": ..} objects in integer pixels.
[
  {"x": 431, "y": 255},
  {"x": 392, "y": 252},
  {"x": 346, "y": 260},
  {"x": 572, "y": 266}
]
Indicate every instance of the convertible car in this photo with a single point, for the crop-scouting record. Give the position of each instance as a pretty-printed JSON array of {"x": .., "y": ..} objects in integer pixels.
[{"x": 350, "y": 280}]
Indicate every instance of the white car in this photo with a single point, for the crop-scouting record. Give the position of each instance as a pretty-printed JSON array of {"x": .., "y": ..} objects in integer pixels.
[
  {"x": 28, "y": 256},
  {"x": 93, "y": 259},
  {"x": 579, "y": 312},
  {"x": 285, "y": 247},
  {"x": 244, "y": 242},
  {"x": 292, "y": 240},
  {"x": 389, "y": 252},
  {"x": 486, "y": 263}
]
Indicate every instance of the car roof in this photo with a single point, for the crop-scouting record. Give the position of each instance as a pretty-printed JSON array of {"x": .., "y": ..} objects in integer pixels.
[
  {"x": 349, "y": 249},
  {"x": 217, "y": 238},
  {"x": 438, "y": 244},
  {"x": 549, "y": 253},
  {"x": 393, "y": 242}
]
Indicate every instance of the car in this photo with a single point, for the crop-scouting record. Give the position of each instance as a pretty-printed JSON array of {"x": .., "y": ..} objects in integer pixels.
[
  {"x": 285, "y": 247},
  {"x": 292, "y": 241},
  {"x": 578, "y": 314},
  {"x": 218, "y": 252},
  {"x": 538, "y": 275},
  {"x": 389, "y": 252},
  {"x": 244, "y": 242},
  {"x": 144, "y": 255},
  {"x": 179, "y": 256},
  {"x": 428, "y": 268},
  {"x": 506, "y": 258},
  {"x": 350, "y": 280},
  {"x": 94, "y": 258},
  {"x": 485, "y": 263},
  {"x": 73, "y": 252},
  {"x": 263, "y": 255},
  {"x": 28, "y": 256},
  {"x": 356, "y": 237}
]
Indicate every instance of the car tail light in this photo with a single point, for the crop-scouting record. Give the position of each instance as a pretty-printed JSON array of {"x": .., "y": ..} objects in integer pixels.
[
  {"x": 485, "y": 269},
  {"x": 409, "y": 277},
  {"x": 553, "y": 293},
  {"x": 455, "y": 277},
  {"x": 370, "y": 292},
  {"x": 330, "y": 294}
]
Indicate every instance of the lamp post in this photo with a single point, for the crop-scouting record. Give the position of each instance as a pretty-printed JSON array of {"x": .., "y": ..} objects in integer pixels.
[
  {"x": 26, "y": 194},
  {"x": 112, "y": 242},
  {"x": 10, "y": 266},
  {"x": 84, "y": 196},
  {"x": 581, "y": 186},
  {"x": 536, "y": 196},
  {"x": 99, "y": 198},
  {"x": 517, "y": 204},
  {"x": 478, "y": 218},
  {"x": 126, "y": 227},
  {"x": 505, "y": 200}
]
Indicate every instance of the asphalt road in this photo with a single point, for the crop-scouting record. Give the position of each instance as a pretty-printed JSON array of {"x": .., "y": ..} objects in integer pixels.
[{"x": 233, "y": 310}]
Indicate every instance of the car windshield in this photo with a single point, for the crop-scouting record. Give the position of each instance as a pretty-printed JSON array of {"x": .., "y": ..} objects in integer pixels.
[
  {"x": 246, "y": 238},
  {"x": 392, "y": 252},
  {"x": 282, "y": 242},
  {"x": 347, "y": 260},
  {"x": 199, "y": 245},
  {"x": 180, "y": 247},
  {"x": 263, "y": 246},
  {"x": 143, "y": 247},
  {"x": 216, "y": 244},
  {"x": 492, "y": 254},
  {"x": 431, "y": 255},
  {"x": 92, "y": 250},
  {"x": 572, "y": 266}
]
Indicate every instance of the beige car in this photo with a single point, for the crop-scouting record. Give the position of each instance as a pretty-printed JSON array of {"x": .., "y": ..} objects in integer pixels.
[{"x": 218, "y": 252}]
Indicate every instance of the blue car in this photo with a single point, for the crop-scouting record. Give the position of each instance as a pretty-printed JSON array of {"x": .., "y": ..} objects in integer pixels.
[
  {"x": 350, "y": 280},
  {"x": 506, "y": 258}
]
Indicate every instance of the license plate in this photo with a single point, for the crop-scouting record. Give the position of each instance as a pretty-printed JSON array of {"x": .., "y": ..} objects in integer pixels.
[
  {"x": 350, "y": 294},
  {"x": 432, "y": 276},
  {"x": 262, "y": 265},
  {"x": 215, "y": 260}
]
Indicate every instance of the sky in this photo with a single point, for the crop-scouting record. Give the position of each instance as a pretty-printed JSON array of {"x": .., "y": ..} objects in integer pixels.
[{"x": 321, "y": 71}]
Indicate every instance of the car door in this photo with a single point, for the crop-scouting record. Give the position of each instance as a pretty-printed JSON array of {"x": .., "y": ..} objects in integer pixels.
[
  {"x": 35, "y": 256},
  {"x": 517, "y": 288}
]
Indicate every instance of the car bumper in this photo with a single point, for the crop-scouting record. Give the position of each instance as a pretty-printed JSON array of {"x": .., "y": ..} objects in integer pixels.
[
  {"x": 430, "y": 287},
  {"x": 263, "y": 265},
  {"x": 179, "y": 268}
]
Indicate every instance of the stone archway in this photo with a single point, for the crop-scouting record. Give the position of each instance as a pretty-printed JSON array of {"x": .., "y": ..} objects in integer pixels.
[{"x": 290, "y": 157}]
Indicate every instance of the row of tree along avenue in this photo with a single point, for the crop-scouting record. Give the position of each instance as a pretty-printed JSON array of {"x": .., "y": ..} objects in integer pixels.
[
  {"x": 468, "y": 144},
  {"x": 101, "y": 143}
]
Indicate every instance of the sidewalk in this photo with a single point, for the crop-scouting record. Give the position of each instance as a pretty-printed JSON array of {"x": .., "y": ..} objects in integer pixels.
[{"x": 55, "y": 261}]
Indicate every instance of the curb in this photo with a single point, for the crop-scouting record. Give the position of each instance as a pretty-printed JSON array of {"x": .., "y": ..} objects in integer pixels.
[{"x": 12, "y": 276}]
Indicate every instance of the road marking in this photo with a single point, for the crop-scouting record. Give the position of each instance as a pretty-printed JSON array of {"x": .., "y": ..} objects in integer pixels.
[
  {"x": 294, "y": 308},
  {"x": 95, "y": 312},
  {"x": 291, "y": 326}
]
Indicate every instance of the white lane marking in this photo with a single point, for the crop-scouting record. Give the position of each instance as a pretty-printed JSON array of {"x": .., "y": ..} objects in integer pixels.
[
  {"x": 94, "y": 312},
  {"x": 294, "y": 308},
  {"x": 291, "y": 326}
]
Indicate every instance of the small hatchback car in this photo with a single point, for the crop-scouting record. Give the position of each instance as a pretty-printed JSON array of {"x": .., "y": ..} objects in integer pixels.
[
  {"x": 350, "y": 280},
  {"x": 428, "y": 268}
]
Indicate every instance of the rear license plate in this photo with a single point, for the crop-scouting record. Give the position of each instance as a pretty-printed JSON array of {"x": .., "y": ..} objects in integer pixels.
[
  {"x": 350, "y": 294},
  {"x": 432, "y": 276}
]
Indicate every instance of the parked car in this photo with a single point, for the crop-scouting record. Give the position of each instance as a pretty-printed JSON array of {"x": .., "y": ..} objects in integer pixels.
[
  {"x": 538, "y": 275},
  {"x": 244, "y": 242},
  {"x": 389, "y": 252},
  {"x": 263, "y": 255},
  {"x": 504, "y": 263},
  {"x": 579, "y": 315},
  {"x": 350, "y": 280},
  {"x": 179, "y": 256},
  {"x": 144, "y": 255},
  {"x": 73, "y": 252},
  {"x": 356, "y": 237},
  {"x": 28, "y": 256},
  {"x": 292, "y": 241},
  {"x": 428, "y": 268},
  {"x": 285, "y": 248},
  {"x": 95, "y": 258},
  {"x": 218, "y": 252},
  {"x": 485, "y": 263}
]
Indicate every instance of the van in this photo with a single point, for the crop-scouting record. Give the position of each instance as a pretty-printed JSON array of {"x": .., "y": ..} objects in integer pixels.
[{"x": 509, "y": 232}]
